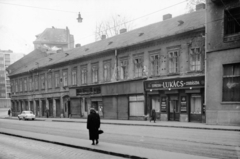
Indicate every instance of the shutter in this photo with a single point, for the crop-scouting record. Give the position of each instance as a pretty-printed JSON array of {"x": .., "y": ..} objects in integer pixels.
[
  {"x": 122, "y": 107},
  {"x": 110, "y": 107},
  {"x": 75, "y": 106}
]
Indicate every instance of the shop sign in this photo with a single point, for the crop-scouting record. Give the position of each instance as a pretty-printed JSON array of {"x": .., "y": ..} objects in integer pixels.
[
  {"x": 175, "y": 83},
  {"x": 163, "y": 104},
  {"x": 183, "y": 104}
]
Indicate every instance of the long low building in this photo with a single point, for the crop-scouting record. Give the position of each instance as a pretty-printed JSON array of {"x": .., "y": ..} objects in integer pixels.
[{"x": 160, "y": 66}]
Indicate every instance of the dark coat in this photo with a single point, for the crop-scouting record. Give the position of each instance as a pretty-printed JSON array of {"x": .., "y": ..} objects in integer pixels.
[
  {"x": 153, "y": 114},
  {"x": 93, "y": 124}
]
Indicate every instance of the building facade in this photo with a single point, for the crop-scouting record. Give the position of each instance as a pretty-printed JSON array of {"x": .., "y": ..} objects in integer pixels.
[
  {"x": 4, "y": 80},
  {"x": 122, "y": 77},
  {"x": 223, "y": 62}
]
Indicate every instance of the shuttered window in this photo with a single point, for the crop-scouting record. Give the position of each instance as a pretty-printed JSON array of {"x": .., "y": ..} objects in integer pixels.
[
  {"x": 136, "y": 104},
  {"x": 231, "y": 82}
]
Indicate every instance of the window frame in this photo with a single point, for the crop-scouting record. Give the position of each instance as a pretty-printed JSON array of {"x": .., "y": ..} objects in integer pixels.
[
  {"x": 95, "y": 72},
  {"x": 107, "y": 70},
  {"x": 74, "y": 76},
  {"x": 138, "y": 72},
  {"x": 25, "y": 84},
  {"x": 152, "y": 66},
  {"x": 195, "y": 55},
  {"x": 230, "y": 85},
  {"x": 177, "y": 51},
  {"x": 123, "y": 63},
  {"x": 57, "y": 79},
  {"x": 84, "y": 74},
  {"x": 36, "y": 83},
  {"x": 49, "y": 81},
  {"x": 65, "y": 77}
]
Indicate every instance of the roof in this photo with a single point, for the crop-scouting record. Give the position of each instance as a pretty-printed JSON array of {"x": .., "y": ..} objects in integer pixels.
[
  {"x": 53, "y": 35},
  {"x": 166, "y": 28}
]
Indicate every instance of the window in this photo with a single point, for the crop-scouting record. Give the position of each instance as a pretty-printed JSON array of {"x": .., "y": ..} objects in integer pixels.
[
  {"x": 232, "y": 21},
  {"x": 107, "y": 71},
  {"x": 20, "y": 85},
  {"x": 74, "y": 76},
  {"x": 155, "y": 64},
  {"x": 16, "y": 86},
  {"x": 195, "y": 59},
  {"x": 123, "y": 74},
  {"x": 43, "y": 81},
  {"x": 84, "y": 74},
  {"x": 49, "y": 80},
  {"x": 138, "y": 66},
  {"x": 65, "y": 78},
  {"x": 57, "y": 79},
  {"x": 173, "y": 61},
  {"x": 30, "y": 84},
  {"x": 36, "y": 82},
  {"x": 231, "y": 82},
  {"x": 95, "y": 73},
  {"x": 196, "y": 104},
  {"x": 25, "y": 84}
]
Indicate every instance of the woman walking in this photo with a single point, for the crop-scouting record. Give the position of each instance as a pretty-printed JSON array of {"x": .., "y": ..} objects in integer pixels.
[
  {"x": 153, "y": 115},
  {"x": 93, "y": 124}
]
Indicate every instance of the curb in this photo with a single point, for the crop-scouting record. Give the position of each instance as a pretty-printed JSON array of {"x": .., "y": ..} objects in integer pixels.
[
  {"x": 185, "y": 127},
  {"x": 78, "y": 147}
]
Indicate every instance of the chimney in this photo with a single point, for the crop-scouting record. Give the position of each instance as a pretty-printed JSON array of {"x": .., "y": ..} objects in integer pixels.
[
  {"x": 124, "y": 30},
  {"x": 167, "y": 16},
  {"x": 78, "y": 45},
  {"x": 103, "y": 37},
  {"x": 200, "y": 6}
]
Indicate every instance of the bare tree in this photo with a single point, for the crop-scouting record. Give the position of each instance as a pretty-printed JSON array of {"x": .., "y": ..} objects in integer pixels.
[
  {"x": 112, "y": 26},
  {"x": 192, "y": 3}
]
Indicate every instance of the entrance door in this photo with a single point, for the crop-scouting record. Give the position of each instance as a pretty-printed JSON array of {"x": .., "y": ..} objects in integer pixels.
[
  {"x": 196, "y": 108},
  {"x": 174, "y": 109}
]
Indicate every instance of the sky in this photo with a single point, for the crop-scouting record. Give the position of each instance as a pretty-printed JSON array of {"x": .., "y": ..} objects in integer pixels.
[{"x": 22, "y": 20}]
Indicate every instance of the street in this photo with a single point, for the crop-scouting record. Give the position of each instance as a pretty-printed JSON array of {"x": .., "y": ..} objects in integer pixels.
[
  {"x": 15, "y": 147},
  {"x": 206, "y": 143}
]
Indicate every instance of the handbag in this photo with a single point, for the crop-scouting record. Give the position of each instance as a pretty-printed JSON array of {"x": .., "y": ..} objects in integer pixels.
[{"x": 100, "y": 131}]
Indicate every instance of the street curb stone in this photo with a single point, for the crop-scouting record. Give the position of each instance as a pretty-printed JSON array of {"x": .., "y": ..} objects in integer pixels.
[{"x": 78, "y": 147}]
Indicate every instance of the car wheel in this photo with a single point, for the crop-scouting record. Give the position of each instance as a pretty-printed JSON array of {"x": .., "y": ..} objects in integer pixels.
[
  {"x": 19, "y": 118},
  {"x": 24, "y": 118},
  {"x": 32, "y": 118}
]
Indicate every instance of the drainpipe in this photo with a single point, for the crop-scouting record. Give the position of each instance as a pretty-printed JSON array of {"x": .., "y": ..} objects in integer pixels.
[{"x": 205, "y": 80}]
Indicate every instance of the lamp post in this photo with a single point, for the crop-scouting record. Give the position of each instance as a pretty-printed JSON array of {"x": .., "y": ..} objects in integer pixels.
[{"x": 79, "y": 18}]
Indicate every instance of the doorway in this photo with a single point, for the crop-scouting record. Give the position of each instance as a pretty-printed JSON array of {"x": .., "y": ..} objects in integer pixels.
[
  {"x": 174, "y": 109},
  {"x": 196, "y": 108}
]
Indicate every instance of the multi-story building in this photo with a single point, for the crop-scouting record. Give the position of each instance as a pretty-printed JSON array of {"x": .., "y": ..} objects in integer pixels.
[
  {"x": 4, "y": 80},
  {"x": 159, "y": 66},
  {"x": 223, "y": 62}
]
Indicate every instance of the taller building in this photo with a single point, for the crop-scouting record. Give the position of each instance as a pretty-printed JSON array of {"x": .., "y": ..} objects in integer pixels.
[
  {"x": 54, "y": 40},
  {"x": 4, "y": 80},
  {"x": 223, "y": 62}
]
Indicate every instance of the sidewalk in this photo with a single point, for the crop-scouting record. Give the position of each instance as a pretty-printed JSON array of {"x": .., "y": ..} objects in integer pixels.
[
  {"x": 106, "y": 148},
  {"x": 145, "y": 123}
]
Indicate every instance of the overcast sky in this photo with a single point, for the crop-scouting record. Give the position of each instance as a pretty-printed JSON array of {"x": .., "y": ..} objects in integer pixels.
[{"x": 21, "y": 20}]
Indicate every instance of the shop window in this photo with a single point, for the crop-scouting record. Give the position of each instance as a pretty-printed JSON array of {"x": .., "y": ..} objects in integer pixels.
[
  {"x": 123, "y": 74},
  {"x": 65, "y": 78},
  {"x": 74, "y": 76},
  {"x": 155, "y": 64},
  {"x": 196, "y": 104},
  {"x": 232, "y": 21},
  {"x": 95, "y": 73},
  {"x": 42, "y": 77},
  {"x": 173, "y": 61},
  {"x": 231, "y": 82},
  {"x": 107, "y": 71},
  {"x": 49, "y": 80},
  {"x": 57, "y": 79},
  {"x": 138, "y": 66},
  {"x": 156, "y": 103},
  {"x": 83, "y": 74},
  {"x": 136, "y": 104},
  {"x": 195, "y": 59},
  {"x": 36, "y": 82}
]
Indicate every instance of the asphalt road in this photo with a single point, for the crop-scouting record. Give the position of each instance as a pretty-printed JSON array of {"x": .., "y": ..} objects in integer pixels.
[
  {"x": 208, "y": 143},
  {"x": 19, "y": 148}
]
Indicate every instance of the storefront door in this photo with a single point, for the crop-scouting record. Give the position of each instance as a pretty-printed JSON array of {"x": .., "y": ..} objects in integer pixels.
[
  {"x": 196, "y": 108},
  {"x": 174, "y": 110}
]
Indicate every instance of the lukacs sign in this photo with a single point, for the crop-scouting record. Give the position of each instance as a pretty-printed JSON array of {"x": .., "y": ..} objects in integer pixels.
[{"x": 175, "y": 83}]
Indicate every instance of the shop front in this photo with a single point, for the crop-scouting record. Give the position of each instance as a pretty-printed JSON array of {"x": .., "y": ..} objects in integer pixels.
[{"x": 178, "y": 99}]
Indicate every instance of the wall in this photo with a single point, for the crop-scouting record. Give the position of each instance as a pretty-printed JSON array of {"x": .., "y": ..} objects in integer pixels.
[{"x": 218, "y": 112}]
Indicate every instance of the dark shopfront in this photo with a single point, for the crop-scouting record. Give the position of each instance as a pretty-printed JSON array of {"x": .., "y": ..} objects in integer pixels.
[{"x": 179, "y": 99}]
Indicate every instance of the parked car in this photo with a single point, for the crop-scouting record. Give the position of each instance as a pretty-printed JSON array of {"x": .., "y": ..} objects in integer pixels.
[{"x": 26, "y": 115}]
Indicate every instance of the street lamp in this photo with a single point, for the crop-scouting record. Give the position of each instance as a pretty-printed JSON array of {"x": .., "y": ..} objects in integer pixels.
[{"x": 79, "y": 18}]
